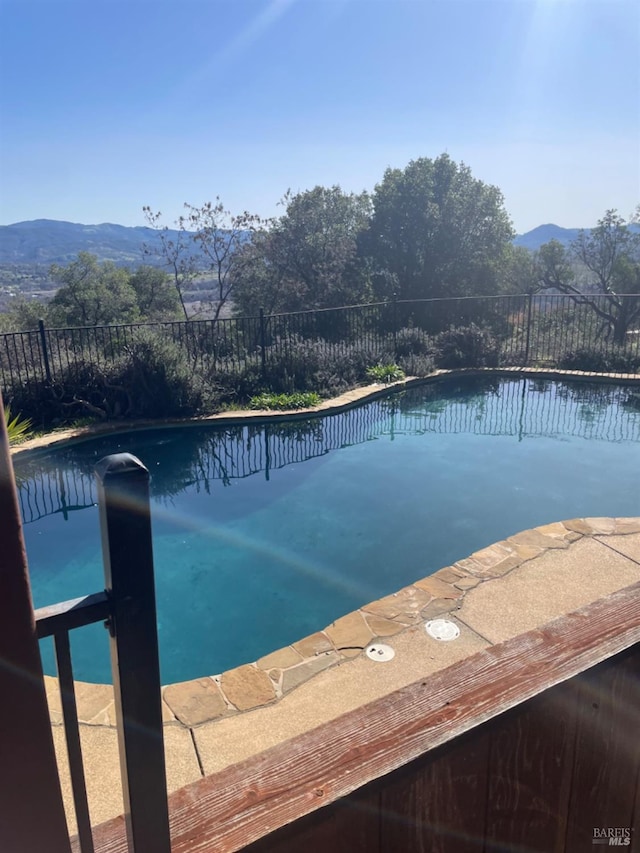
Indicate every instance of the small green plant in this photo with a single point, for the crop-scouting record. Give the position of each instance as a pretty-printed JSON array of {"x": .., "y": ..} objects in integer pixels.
[
  {"x": 385, "y": 373},
  {"x": 281, "y": 402},
  {"x": 18, "y": 428}
]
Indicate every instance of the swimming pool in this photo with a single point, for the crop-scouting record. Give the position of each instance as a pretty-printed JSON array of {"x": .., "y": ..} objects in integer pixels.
[{"x": 264, "y": 533}]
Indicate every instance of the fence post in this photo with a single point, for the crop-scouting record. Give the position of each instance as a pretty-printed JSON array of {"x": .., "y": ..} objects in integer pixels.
[
  {"x": 395, "y": 324},
  {"x": 125, "y": 523},
  {"x": 45, "y": 352},
  {"x": 263, "y": 354},
  {"x": 526, "y": 351}
]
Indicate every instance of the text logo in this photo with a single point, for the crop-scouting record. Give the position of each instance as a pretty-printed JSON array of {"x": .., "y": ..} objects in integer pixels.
[{"x": 612, "y": 836}]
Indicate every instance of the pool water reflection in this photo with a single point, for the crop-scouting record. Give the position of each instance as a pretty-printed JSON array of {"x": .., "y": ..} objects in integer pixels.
[{"x": 264, "y": 533}]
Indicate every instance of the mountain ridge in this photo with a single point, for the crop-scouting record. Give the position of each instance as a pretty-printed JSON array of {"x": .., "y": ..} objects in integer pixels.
[
  {"x": 57, "y": 241},
  {"x": 54, "y": 241},
  {"x": 543, "y": 233}
]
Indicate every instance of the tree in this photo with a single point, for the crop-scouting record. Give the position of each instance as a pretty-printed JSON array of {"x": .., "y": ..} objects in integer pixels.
[
  {"x": 437, "y": 231},
  {"x": 553, "y": 267},
  {"x": 609, "y": 255},
  {"x": 157, "y": 299},
  {"x": 520, "y": 273},
  {"x": 23, "y": 314},
  {"x": 208, "y": 239},
  {"x": 175, "y": 250},
  {"x": 308, "y": 258},
  {"x": 92, "y": 293}
]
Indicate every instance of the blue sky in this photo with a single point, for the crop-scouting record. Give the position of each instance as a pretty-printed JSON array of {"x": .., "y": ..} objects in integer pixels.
[{"x": 109, "y": 105}]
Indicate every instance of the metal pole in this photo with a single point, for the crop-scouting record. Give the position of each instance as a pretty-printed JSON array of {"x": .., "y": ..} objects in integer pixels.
[
  {"x": 31, "y": 810},
  {"x": 45, "y": 352},
  {"x": 526, "y": 352},
  {"x": 62, "y": 647},
  {"x": 395, "y": 325},
  {"x": 262, "y": 345},
  {"x": 125, "y": 522}
]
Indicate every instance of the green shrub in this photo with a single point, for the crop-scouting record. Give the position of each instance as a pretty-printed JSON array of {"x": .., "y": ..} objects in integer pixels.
[
  {"x": 412, "y": 341},
  {"x": 417, "y": 365},
  {"x": 237, "y": 384},
  {"x": 282, "y": 402},
  {"x": 159, "y": 380},
  {"x": 466, "y": 346},
  {"x": 385, "y": 373},
  {"x": 301, "y": 365},
  {"x": 612, "y": 361},
  {"x": 151, "y": 377}
]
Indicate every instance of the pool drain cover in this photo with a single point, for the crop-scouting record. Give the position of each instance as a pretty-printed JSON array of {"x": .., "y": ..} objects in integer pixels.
[
  {"x": 379, "y": 652},
  {"x": 442, "y": 629}
]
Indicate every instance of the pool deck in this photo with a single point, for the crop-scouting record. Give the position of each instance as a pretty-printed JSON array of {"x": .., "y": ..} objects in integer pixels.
[{"x": 498, "y": 593}]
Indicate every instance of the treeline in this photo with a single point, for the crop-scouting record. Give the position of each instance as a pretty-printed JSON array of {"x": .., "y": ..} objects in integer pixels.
[{"x": 430, "y": 230}]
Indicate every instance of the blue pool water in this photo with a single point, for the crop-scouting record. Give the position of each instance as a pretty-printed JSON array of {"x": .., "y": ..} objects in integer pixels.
[{"x": 266, "y": 533}]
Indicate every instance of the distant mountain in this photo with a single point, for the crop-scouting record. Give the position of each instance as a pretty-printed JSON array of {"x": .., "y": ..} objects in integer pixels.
[
  {"x": 543, "y": 233},
  {"x": 39, "y": 243},
  {"x": 48, "y": 241}
]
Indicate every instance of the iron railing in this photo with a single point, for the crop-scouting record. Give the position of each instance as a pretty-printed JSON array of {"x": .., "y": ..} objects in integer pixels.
[
  {"x": 127, "y": 605},
  {"x": 531, "y": 329}
]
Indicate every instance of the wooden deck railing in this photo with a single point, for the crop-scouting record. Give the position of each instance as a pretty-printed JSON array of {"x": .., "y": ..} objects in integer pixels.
[{"x": 563, "y": 760}]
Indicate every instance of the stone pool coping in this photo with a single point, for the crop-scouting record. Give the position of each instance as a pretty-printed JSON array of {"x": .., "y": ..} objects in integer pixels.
[
  {"x": 341, "y": 403},
  {"x": 498, "y": 593}
]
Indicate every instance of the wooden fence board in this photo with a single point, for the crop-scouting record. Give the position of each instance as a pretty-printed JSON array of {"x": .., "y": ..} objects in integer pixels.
[
  {"x": 348, "y": 826},
  {"x": 438, "y": 802},
  {"x": 529, "y": 773},
  {"x": 607, "y": 750}
]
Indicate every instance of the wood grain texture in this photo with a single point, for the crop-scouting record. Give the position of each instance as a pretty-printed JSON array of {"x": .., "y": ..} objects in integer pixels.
[
  {"x": 530, "y": 771},
  {"x": 437, "y": 803},
  {"x": 347, "y": 826},
  {"x": 607, "y": 750},
  {"x": 232, "y": 808}
]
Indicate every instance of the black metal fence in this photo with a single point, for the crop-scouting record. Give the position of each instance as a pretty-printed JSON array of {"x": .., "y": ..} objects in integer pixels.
[{"x": 531, "y": 329}]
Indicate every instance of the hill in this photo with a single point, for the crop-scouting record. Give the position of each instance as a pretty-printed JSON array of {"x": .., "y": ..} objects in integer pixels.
[
  {"x": 27, "y": 250},
  {"x": 543, "y": 233},
  {"x": 43, "y": 242},
  {"x": 48, "y": 241}
]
